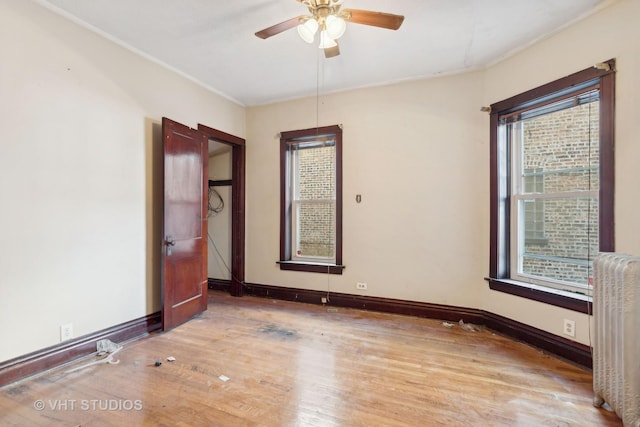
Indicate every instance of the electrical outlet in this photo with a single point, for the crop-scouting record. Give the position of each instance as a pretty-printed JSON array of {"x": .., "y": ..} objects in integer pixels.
[
  {"x": 361, "y": 286},
  {"x": 66, "y": 332},
  {"x": 569, "y": 328},
  {"x": 323, "y": 300}
]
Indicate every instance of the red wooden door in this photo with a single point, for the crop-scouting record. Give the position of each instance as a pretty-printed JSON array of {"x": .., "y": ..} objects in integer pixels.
[{"x": 184, "y": 255}]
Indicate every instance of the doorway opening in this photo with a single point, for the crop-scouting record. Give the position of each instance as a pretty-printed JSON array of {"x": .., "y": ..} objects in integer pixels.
[{"x": 226, "y": 232}]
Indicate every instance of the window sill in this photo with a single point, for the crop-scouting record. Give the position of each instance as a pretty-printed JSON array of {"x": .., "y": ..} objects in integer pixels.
[
  {"x": 569, "y": 300},
  {"x": 311, "y": 267}
]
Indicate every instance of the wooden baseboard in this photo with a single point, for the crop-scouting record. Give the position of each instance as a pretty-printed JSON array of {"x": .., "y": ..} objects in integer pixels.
[
  {"x": 50, "y": 357},
  {"x": 387, "y": 305},
  {"x": 572, "y": 351},
  {"x": 219, "y": 284},
  {"x": 569, "y": 350}
]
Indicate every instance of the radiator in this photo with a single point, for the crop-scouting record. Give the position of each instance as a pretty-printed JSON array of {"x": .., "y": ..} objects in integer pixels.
[{"x": 616, "y": 340}]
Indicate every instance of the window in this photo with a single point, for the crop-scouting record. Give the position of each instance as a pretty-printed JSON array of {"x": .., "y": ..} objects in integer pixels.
[
  {"x": 552, "y": 187},
  {"x": 311, "y": 200},
  {"x": 533, "y": 181}
]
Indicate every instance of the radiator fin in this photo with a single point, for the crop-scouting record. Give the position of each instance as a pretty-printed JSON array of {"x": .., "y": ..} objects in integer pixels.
[{"x": 616, "y": 343}]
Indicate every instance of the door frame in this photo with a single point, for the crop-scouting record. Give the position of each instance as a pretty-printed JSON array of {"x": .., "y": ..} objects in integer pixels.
[{"x": 238, "y": 157}]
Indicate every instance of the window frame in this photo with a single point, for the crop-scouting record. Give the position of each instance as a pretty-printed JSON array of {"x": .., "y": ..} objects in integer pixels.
[
  {"x": 287, "y": 260},
  {"x": 515, "y": 131},
  {"x": 500, "y": 182}
]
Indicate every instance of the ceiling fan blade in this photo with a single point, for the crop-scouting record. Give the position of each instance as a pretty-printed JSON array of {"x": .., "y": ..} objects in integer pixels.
[
  {"x": 278, "y": 28},
  {"x": 375, "y": 19},
  {"x": 330, "y": 52}
]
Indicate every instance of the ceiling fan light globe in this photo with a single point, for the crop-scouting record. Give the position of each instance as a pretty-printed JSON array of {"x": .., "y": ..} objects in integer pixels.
[
  {"x": 326, "y": 41},
  {"x": 336, "y": 26},
  {"x": 308, "y": 29}
]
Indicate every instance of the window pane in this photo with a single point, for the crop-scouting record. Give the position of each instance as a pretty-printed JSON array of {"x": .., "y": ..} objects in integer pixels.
[
  {"x": 315, "y": 235},
  {"x": 533, "y": 211},
  {"x": 316, "y": 173},
  {"x": 558, "y": 152},
  {"x": 561, "y": 150},
  {"x": 570, "y": 239}
]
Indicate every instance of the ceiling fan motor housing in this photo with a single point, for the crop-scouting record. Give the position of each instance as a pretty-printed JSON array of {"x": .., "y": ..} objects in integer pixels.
[{"x": 326, "y": 16}]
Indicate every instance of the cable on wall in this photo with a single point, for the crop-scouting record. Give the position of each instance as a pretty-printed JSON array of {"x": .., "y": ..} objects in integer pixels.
[
  {"x": 215, "y": 206},
  {"x": 213, "y": 244},
  {"x": 590, "y": 283},
  {"x": 320, "y": 84},
  {"x": 216, "y": 203}
]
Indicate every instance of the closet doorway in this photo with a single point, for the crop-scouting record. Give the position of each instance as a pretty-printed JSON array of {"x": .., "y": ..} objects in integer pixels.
[{"x": 226, "y": 232}]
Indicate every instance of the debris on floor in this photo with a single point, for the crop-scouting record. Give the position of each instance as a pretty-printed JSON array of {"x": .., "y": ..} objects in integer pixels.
[
  {"x": 276, "y": 330},
  {"x": 158, "y": 363},
  {"x": 103, "y": 347},
  {"x": 171, "y": 359},
  {"x": 469, "y": 327},
  {"x": 107, "y": 346},
  {"x": 447, "y": 324},
  {"x": 224, "y": 378}
]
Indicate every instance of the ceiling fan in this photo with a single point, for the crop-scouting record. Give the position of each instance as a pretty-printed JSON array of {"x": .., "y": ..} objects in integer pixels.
[{"x": 326, "y": 16}]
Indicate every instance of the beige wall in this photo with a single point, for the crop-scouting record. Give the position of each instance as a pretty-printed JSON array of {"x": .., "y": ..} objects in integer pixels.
[
  {"x": 219, "y": 261},
  {"x": 78, "y": 142},
  {"x": 419, "y": 158}
]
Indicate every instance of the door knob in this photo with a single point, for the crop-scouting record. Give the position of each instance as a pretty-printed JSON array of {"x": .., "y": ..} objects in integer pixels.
[{"x": 170, "y": 241}]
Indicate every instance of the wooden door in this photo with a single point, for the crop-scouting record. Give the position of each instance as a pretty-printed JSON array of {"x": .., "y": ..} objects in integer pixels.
[{"x": 184, "y": 255}]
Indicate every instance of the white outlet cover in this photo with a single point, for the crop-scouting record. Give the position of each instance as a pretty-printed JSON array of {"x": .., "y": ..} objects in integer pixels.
[
  {"x": 66, "y": 332},
  {"x": 569, "y": 328}
]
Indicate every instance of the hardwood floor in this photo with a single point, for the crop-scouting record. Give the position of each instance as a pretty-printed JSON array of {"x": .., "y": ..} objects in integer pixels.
[{"x": 293, "y": 364}]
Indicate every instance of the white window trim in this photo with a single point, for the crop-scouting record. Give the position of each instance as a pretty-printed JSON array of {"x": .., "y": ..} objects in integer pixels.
[
  {"x": 296, "y": 202},
  {"x": 517, "y": 238}
]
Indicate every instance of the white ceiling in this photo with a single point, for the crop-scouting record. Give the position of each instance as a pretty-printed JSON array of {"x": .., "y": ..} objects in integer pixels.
[{"x": 213, "y": 41}]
